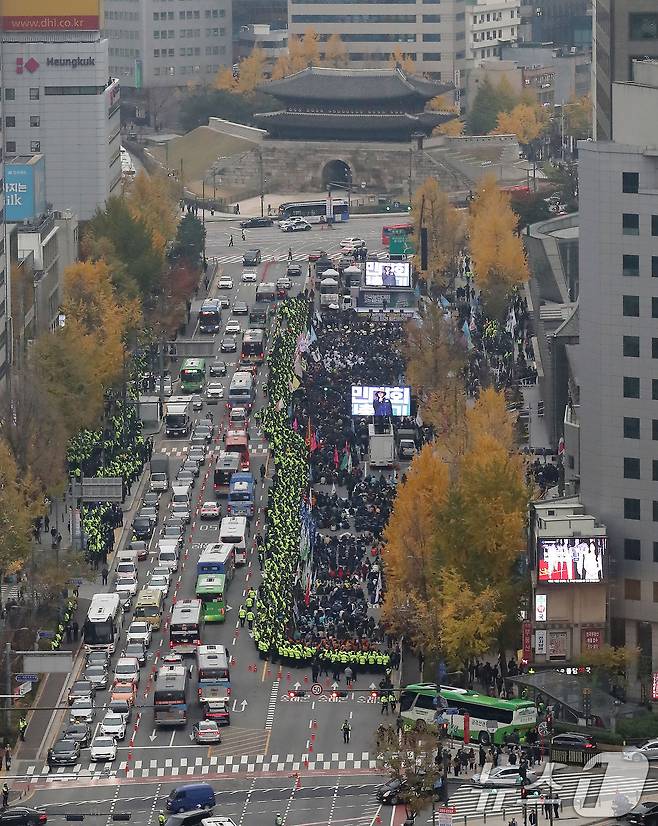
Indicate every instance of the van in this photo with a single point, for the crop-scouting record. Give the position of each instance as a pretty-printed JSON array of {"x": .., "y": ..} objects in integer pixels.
[
  {"x": 180, "y": 495},
  {"x": 191, "y": 796},
  {"x": 126, "y": 569},
  {"x": 168, "y": 557},
  {"x": 149, "y": 606}
]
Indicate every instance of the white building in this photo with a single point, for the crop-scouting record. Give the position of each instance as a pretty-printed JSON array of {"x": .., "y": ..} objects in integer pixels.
[
  {"x": 431, "y": 32},
  {"x": 60, "y": 100},
  {"x": 489, "y": 24}
]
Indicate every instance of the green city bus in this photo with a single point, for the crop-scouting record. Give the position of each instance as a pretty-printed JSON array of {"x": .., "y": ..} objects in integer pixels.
[
  {"x": 192, "y": 375},
  {"x": 491, "y": 718},
  {"x": 210, "y": 590}
]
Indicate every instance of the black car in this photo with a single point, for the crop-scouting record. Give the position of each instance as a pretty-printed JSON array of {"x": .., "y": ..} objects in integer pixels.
[
  {"x": 574, "y": 741},
  {"x": 151, "y": 500},
  {"x": 81, "y": 688},
  {"x": 64, "y": 753},
  {"x": 644, "y": 814},
  {"x": 251, "y": 258},
  {"x": 218, "y": 368},
  {"x": 22, "y": 816},
  {"x": 80, "y": 732},
  {"x": 98, "y": 658},
  {"x": 142, "y": 528},
  {"x": 294, "y": 270},
  {"x": 391, "y": 791},
  {"x": 256, "y": 222},
  {"x": 228, "y": 345}
]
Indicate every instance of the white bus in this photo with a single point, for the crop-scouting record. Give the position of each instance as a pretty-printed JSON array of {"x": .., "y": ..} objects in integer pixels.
[
  {"x": 241, "y": 390},
  {"x": 185, "y": 626},
  {"x": 233, "y": 531},
  {"x": 103, "y": 623}
]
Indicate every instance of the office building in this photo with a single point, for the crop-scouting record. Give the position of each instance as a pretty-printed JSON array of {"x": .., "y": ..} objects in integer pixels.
[
  {"x": 489, "y": 24},
  {"x": 60, "y": 101},
  {"x": 5, "y": 292},
  {"x": 561, "y": 22},
  {"x": 155, "y": 44},
  {"x": 624, "y": 31},
  {"x": 618, "y": 311},
  {"x": 556, "y": 75},
  {"x": 432, "y": 33},
  {"x": 273, "y": 42}
]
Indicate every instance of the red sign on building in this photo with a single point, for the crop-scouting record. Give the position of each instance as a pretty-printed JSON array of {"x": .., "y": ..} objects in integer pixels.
[
  {"x": 592, "y": 639},
  {"x": 527, "y": 641}
]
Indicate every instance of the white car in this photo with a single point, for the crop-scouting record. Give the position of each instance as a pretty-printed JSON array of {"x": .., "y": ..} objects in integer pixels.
[
  {"x": 233, "y": 327},
  {"x": 296, "y": 226},
  {"x": 159, "y": 583},
  {"x": 127, "y": 670},
  {"x": 139, "y": 631},
  {"x": 181, "y": 511},
  {"x": 126, "y": 587},
  {"x": 113, "y": 725},
  {"x": 83, "y": 710},
  {"x": 166, "y": 386},
  {"x": 103, "y": 748},
  {"x": 225, "y": 283},
  {"x": 162, "y": 571},
  {"x": 214, "y": 392},
  {"x": 248, "y": 276},
  {"x": 224, "y": 301},
  {"x": 210, "y": 510},
  {"x": 352, "y": 243},
  {"x": 502, "y": 776},
  {"x": 648, "y": 750}
]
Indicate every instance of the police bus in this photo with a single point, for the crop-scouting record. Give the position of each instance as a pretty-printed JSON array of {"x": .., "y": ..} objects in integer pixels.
[
  {"x": 103, "y": 623},
  {"x": 185, "y": 626},
  {"x": 170, "y": 696},
  {"x": 253, "y": 347}
]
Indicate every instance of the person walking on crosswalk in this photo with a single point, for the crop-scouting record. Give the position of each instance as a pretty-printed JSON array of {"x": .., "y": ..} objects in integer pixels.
[
  {"x": 289, "y": 253},
  {"x": 346, "y": 728},
  {"x": 230, "y": 240}
]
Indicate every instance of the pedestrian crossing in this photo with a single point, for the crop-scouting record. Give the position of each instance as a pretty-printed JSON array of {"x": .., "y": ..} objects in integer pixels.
[
  {"x": 283, "y": 256},
  {"x": 178, "y": 451},
  {"x": 206, "y": 765}
]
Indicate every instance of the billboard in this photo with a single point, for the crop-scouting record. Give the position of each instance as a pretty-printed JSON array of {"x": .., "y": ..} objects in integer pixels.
[
  {"x": 46, "y": 16},
  {"x": 541, "y": 601},
  {"x": 381, "y": 401},
  {"x": 387, "y": 299},
  {"x": 571, "y": 559},
  {"x": 388, "y": 273},
  {"x": 25, "y": 190}
]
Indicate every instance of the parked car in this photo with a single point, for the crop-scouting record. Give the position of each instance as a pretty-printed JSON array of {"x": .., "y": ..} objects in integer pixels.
[
  {"x": 251, "y": 223},
  {"x": 22, "y": 816},
  {"x": 228, "y": 344},
  {"x": 151, "y": 499},
  {"x": 142, "y": 528},
  {"x": 126, "y": 669},
  {"x": 233, "y": 327},
  {"x": 124, "y": 691},
  {"x": 644, "y": 814},
  {"x": 240, "y": 308},
  {"x": 139, "y": 631},
  {"x": 141, "y": 547},
  {"x": 160, "y": 583},
  {"x": 98, "y": 658},
  {"x": 136, "y": 650},
  {"x": 103, "y": 748},
  {"x": 83, "y": 710},
  {"x": 197, "y": 402},
  {"x": 64, "y": 753},
  {"x": 181, "y": 511}
]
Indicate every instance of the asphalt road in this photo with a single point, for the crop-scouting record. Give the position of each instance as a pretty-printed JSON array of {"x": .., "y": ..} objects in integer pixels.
[{"x": 272, "y": 736}]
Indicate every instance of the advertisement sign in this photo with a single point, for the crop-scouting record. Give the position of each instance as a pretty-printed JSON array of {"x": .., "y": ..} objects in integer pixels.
[
  {"x": 381, "y": 401},
  {"x": 44, "y": 15},
  {"x": 591, "y": 639},
  {"x": 540, "y": 642},
  {"x": 25, "y": 190},
  {"x": 444, "y": 815},
  {"x": 541, "y": 603},
  {"x": 527, "y": 641},
  {"x": 572, "y": 559},
  {"x": 388, "y": 273},
  {"x": 557, "y": 644},
  {"x": 654, "y": 686},
  {"x": 392, "y": 300}
]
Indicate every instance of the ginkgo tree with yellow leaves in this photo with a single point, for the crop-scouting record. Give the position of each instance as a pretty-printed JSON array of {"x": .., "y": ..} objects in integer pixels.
[
  {"x": 431, "y": 210},
  {"x": 526, "y": 120}
]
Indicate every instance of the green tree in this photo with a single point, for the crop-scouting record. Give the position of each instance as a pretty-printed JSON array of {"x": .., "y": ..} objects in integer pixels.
[
  {"x": 190, "y": 237},
  {"x": 431, "y": 209},
  {"x": 204, "y": 103},
  {"x": 488, "y": 103},
  {"x": 530, "y": 207}
]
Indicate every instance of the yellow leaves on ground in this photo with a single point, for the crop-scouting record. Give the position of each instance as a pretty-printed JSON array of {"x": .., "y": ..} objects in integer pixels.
[
  {"x": 431, "y": 209},
  {"x": 497, "y": 252},
  {"x": 526, "y": 121},
  {"x": 151, "y": 198}
]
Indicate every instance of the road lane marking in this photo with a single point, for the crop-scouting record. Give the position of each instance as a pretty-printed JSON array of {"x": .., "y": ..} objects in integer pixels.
[
  {"x": 271, "y": 707},
  {"x": 246, "y": 802}
]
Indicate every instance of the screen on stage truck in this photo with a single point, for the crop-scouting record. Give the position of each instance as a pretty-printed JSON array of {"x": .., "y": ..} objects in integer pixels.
[
  {"x": 388, "y": 274},
  {"x": 381, "y": 401},
  {"x": 572, "y": 559}
]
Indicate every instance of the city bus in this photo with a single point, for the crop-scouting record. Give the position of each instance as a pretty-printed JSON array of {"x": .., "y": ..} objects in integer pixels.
[
  {"x": 241, "y": 390},
  {"x": 149, "y": 606},
  {"x": 226, "y": 465},
  {"x": 237, "y": 442},
  {"x": 259, "y": 316},
  {"x": 491, "y": 719},
  {"x": 241, "y": 495},
  {"x": 170, "y": 696},
  {"x": 315, "y": 212},
  {"x": 103, "y": 623},
  {"x": 192, "y": 375},
  {"x": 210, "y": 590},
  {"x": 217, "y": 558},
  {"x": 266, "y": 292},
  {"x": 233, "y": 531},
  {"x": 210, "y": 316},
  {"x": 406, "y": 229},
  {"x": 214, "y": 684},
  {"x": 185, "y": 626},
  {"x": 253, "y": 347}
]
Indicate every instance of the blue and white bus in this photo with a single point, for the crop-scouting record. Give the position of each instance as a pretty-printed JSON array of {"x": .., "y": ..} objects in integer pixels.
[
  {"x": 315, "y": 212},
  {"x": 241, "y": 495}
]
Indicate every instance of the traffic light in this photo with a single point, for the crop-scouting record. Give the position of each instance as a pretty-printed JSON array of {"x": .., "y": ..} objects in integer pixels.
[{"x": 423, "y": 248}]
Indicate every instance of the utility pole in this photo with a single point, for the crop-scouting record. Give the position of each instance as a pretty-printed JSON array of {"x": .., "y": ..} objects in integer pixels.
[
  {"x": 8, "y": 684},
  {"x": 411, "y": 156},
  {"x": 262, "y": 182}
]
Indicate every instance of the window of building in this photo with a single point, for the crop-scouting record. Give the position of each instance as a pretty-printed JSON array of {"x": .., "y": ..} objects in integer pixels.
[
  {"x": 631, "y": 427},
  {"x": 35, "y": 146},
  {"x": 156, "y": 52},
  {"x": 632, "y": 589},
  {"x": 431, "y": 18},
  {"x": 630, "y": 223},
  {"x": 10, "y": 147},
  {"x": 654, "y": 224},
  {"x": 631, "y": 508},
  {"x": 655, "y": 551},
  {"x": 630, "y": 182},
  {"x": 655, "y": 510},
  {"x": 654, "y": 470},
  {"x": 631, "y": 387},
  {"x": 34, "y": 93},
  {"x": 35, "y": 120},
  {"x": 431, "y": 38},
  {"x": 631, "y": 305},
  {"x": 654, "y": 266},
  {"x": 654, "y": 389},
  {"x": 632, "y": 549},
  {"x": 654, "y": 308},
  {"x": 432, "y": 56},
  {"x": 10, "y": 94},
  {"x": 654, "y": 348},
  {"x": 630, "y": 265},
  {"x": 631, "y": 468},
  {"x": 10, "y": 120},
  {"x": 643, "y": 25},
  {"x": 632, "y": 346},
  {"x": 655, "y": 591}
]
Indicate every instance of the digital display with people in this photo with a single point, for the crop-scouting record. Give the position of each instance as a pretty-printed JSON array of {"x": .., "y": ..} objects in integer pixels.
[
  {"x": 381, "y": 401},
  {"x": 571, "y": 559},
  {"x": 388, "y": 274}
]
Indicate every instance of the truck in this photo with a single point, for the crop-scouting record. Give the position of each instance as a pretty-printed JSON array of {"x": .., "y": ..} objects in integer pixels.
[
  {"x": 159, "y": 467},
  {"x": 406, "y": 438},
  {"x": 381, "y": 446},
  {"x": 178, "y": 419}
]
